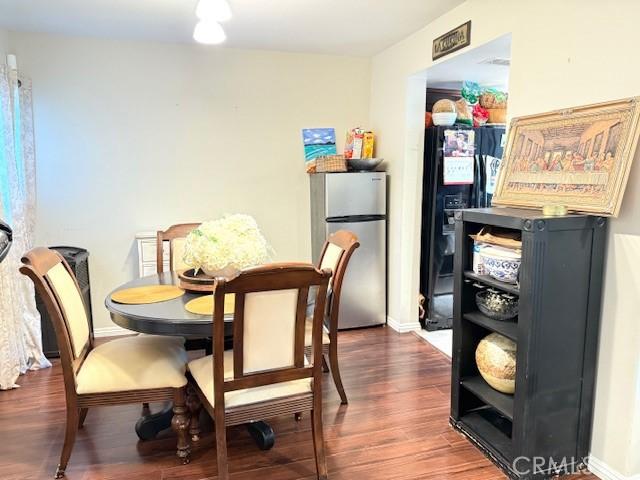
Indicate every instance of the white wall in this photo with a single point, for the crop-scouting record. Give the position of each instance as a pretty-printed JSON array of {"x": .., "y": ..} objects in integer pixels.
[
  {"x": 557, "y": 61},
  {"x": 4, "y": 44},
  {"x": 136, "y": 136}
]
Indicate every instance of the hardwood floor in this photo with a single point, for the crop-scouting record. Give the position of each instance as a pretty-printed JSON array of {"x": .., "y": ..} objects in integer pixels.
[{"x": 395, "y": 427}]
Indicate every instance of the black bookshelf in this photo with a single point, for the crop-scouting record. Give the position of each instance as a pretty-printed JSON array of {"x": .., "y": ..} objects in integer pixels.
[{"x": 556, "y": 332}]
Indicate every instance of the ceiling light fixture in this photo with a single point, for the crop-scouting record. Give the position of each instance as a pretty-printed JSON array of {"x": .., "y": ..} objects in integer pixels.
[
  {"x": 209, "y": 32},
  {"x": 215, "y": 10}
]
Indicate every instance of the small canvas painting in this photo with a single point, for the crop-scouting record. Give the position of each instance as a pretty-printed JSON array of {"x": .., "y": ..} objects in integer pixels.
[{"x": 317, "y": 142}]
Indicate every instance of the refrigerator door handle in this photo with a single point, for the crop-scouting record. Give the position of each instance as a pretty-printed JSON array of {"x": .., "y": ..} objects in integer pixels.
[{"x": 355, "y": 219}]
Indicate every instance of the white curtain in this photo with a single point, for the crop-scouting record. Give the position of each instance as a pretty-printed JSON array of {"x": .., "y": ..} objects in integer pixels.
[{"x": 20, "y": 336}]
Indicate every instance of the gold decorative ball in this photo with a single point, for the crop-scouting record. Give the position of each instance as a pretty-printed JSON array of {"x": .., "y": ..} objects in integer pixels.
[{"x": 496, "y": 360}]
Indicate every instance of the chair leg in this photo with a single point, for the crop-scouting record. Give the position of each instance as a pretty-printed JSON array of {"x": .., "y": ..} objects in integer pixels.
[
  {"x": 73, "y": 419},
  {"x": 180, "y": 423},
  {"x": 82, "y": 415},
  {"x": 318, "y": 438},
  {"x": 146, "y": 410},
  {"x": 335, "y": 371},
  {"x": 325, "y": 365},
  {"x": 221, "y": 445},
  {"x": 195, "y": 406}
]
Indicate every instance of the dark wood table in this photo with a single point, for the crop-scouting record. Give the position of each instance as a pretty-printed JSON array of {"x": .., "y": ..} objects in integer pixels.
[{"x": 171, "y": 318}]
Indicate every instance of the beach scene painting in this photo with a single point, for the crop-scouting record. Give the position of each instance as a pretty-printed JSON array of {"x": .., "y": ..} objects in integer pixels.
[
  {"x": 578, "y": 158},
  {"x": 318, "y": 142}
]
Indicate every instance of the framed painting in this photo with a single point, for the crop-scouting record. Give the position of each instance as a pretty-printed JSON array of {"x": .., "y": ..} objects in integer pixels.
[{"x": 581, "y": 158}]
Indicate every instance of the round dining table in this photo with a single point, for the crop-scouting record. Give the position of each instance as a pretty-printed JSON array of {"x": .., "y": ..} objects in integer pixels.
[{"x": 170, "y": 317}]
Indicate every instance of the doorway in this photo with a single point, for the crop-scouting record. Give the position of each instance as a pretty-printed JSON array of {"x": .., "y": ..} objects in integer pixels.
[{"x": 475, "y": 149}]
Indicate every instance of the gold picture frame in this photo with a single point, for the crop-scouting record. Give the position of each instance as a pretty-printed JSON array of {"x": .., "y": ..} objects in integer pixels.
[{"x": 579, "y": 158}]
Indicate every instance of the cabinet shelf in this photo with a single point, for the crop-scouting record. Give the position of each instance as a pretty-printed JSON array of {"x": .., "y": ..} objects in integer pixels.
[
  {"x": 508, "y": 328},
  {"x": 479, "y": 426},
  {"x": 502, "y": 402},
  {"x": 492, "y": 282}
]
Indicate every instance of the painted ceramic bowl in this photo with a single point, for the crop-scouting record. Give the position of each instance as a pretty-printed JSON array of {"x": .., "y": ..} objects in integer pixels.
[
  {"x": 501, "y": 264},
  {"x": 496, "y": 361},
  {"x": 497, "y": 305}
]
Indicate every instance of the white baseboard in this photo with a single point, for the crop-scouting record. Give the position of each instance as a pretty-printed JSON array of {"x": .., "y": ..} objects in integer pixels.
[
  {"x": 403, "y": 327},
  {"x": 113, "y": 331},
  {"x": 605, "y": 472}
]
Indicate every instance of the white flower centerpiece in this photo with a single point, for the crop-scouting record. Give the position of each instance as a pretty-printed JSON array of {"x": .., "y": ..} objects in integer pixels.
[{"x": 223, "y": 247}]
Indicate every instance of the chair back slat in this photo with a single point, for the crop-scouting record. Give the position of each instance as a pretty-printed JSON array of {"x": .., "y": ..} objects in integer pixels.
[
  {"x": 69, "y": 298},
  {"x": 336, "y": 253},
  {"x": 238, "y": 332},
  {"x": 176, "y": 254},
  {"x": 300, "y": 327},
  {"x": 176, "y": 236},
  {"x": 269, "y": 330},
  {"x": 268, "y": 344},
  {"x": 331, "y": 258}
]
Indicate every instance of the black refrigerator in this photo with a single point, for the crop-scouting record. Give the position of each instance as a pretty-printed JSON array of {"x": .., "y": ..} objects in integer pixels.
[{"x": 461, "y": 165}]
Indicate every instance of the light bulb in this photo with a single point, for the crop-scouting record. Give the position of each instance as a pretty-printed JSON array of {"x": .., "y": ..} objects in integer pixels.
[
  {"x": 217, "y": 10},
  {"x": 209, "y": 32}
]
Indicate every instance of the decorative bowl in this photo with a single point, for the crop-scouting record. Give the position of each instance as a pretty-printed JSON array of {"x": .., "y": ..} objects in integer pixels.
[
  {"x": 364, "y": 164},
  {"x": 496, "y": 361},
  {"x": 196, "y": 282},
  {"x": 445, "y": 118},
  {"x": 444, "y": 105},
  {"x": 203, "y": 281},
  {"x": 497, "y": 305},
  {"x": 501, "y": 264}
]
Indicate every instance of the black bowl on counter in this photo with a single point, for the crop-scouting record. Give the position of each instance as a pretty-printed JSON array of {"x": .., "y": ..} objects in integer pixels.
[{"x": 364, "y": 164}]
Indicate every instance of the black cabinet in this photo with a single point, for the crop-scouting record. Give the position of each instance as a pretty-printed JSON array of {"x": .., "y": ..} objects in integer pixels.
[{"x": 545, "y": 427}]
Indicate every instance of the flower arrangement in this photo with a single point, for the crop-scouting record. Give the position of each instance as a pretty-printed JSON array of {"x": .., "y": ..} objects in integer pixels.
[{"x": 232, "y": 242}]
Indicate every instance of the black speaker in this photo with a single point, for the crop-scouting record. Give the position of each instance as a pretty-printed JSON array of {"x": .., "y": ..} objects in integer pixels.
[
  {"x": 5, "y": 239},
  {"x": 78, "y": 260}
]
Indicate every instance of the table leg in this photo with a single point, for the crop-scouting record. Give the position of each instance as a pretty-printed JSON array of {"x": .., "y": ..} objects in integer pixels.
[{"x": 148, "y": 426}]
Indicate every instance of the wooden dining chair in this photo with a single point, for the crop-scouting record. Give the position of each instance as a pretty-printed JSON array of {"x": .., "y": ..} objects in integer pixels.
[
  {"x": 266, "y": 374},
  {"x": 176, "y": 236},
  {"x": 335, "y": 255},
  {"x": 136, "y": 369}
]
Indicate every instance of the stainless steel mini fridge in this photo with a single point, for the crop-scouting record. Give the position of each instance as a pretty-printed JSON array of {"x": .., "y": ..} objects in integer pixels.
[{"x": 356, "y": 202}]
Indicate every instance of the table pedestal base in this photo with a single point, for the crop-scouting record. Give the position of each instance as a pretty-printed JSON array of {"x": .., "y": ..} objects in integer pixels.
[
  {"x": 262, "y": 434},
  {"x": 149, "y": 425}
]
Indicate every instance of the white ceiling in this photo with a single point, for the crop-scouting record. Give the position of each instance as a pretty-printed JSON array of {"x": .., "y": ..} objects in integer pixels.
[
  {"x": 450, "y": 73},
  {"x": 349, "y": 27}
]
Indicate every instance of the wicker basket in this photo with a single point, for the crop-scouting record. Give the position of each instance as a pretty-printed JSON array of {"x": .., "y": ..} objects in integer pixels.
[
  {"x": 331, "y": 163},
  {"x": 497, "y": 115},
  {"x": 489, "y": 100}
]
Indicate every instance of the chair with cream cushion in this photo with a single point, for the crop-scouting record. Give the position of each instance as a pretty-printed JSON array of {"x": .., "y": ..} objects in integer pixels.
[
  {"x": 143, "y": 368},
  {"x": 267, "y": 373},
  {"x": 176, "y": 236},
  {"x": 335, "y": 255}
]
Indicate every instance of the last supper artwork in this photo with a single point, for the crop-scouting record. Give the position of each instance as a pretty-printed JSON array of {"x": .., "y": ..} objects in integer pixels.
[{"x": 579, "y": 158}]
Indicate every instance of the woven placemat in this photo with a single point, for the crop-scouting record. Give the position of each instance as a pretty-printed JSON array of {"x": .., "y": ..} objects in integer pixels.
[
  {"x": 147, "y": 294},
  {"x": 204, "y": 305}
]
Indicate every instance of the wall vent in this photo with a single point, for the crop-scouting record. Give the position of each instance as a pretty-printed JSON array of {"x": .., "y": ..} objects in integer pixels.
[{"x": 503, "y": 62}]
